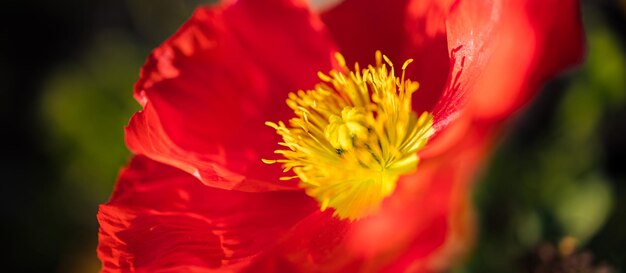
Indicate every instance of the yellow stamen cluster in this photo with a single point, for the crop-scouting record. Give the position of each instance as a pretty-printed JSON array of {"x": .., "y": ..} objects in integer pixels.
[{"x": 353, "y": 136}]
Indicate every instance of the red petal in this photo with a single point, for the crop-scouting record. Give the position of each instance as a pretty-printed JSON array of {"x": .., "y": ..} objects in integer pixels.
[
  {"x": 360, "y": 27},
  {"x": 500, "y": 51},
  {"x": 162, "y": 219},
  {"x": 424, "y": 225},
  {"x": 402, "y": 30},
  {"x": 451, "y": 176},
  {"x": 496, "y": 52},
  {"x": 209, "y": 89},
  {"x": 316, "y": 244},
  {"x": 506, "y": 49},
  {"x": 427, "y": 45},
  {"x": 412, "y": 224}
]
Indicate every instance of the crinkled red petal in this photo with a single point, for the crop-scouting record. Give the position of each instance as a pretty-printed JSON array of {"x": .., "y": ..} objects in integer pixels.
[
  {"x": 451, "y": 175},
  {"x": 208, "y": 90},
  {"x": 422, "y": 227},
  {"x": 161, "y": 219},
  {"x": 495, "y": 54},
  {"x": 505, "y": 50},
  {"x": 500, "y": 53},
  {"x": 400, "y": 29},
  {"x": 360, "y": 27}
]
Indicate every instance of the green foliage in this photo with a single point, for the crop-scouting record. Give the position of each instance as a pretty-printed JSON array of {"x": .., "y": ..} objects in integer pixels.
[{"x": 85, "y": 107}]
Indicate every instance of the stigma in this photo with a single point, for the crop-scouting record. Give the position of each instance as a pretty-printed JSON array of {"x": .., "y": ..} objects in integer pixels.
[{"x": 353, "y": 136}]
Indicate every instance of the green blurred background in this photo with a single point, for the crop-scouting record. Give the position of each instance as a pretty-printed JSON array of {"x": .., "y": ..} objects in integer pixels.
[{"x": 67, "y": 69}]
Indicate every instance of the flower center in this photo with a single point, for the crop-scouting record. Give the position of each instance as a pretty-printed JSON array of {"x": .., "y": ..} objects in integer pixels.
[{"x": 353, "y": 136}]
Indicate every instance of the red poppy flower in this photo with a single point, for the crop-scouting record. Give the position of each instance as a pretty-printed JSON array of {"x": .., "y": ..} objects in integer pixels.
[{"x": 197, "y": 197}]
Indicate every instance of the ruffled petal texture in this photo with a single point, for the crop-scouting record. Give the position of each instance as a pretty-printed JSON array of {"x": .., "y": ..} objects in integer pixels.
[
  {"x": 208, "y": 90},
  {"x": 477, "y": 63},
  {"x": 493, "y": 53},
  {"x": 197, "y": 198},
  {"x": 508, "y": 49},
  {"x": 422, "y": 227},
  {"x": 401, "y": 29},
  {"x": 501, "y": 53},
  {"x": 161, "y": 219}
]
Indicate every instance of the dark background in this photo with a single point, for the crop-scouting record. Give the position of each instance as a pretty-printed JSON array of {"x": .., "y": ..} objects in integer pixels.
[{"x": 66, "y": 73}]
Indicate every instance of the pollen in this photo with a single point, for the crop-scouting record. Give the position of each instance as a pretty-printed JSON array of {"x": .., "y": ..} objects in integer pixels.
[{"x": 353, "y": 136}]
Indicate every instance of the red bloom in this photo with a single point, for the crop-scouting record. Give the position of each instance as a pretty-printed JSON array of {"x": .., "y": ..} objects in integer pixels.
[{"x": 196, "y": 197}]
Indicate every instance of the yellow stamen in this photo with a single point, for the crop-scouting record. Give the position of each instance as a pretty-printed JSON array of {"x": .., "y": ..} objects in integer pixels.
[{"x": 353, "y": 136}]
